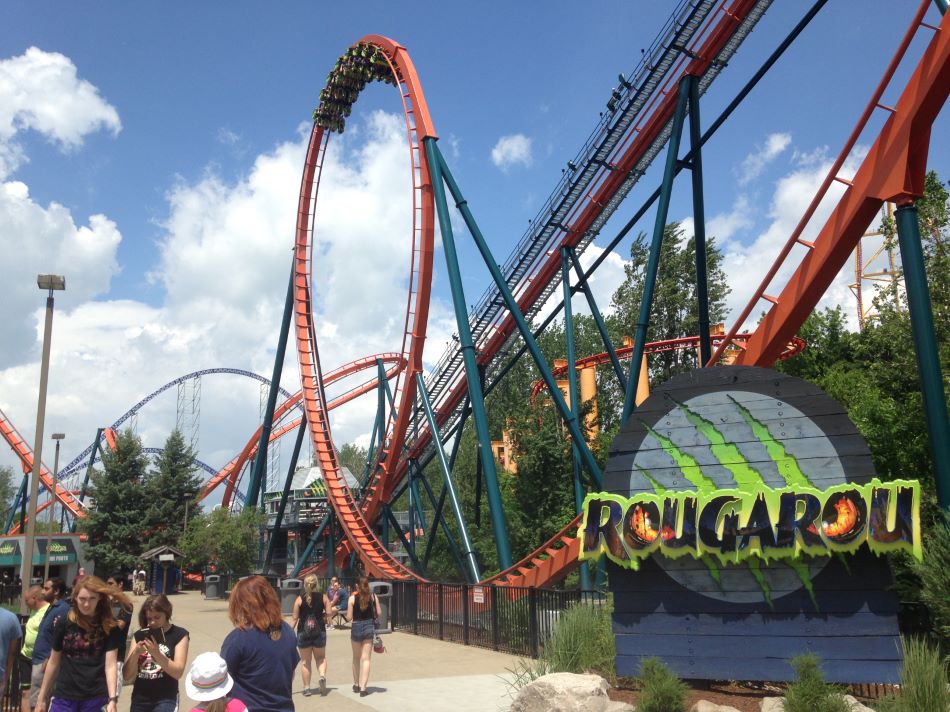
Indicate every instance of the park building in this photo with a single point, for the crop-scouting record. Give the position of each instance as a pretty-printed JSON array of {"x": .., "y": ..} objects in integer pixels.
[{"x": 304, "y": 511}]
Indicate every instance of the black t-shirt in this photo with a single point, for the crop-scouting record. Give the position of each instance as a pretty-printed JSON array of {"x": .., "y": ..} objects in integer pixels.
[
  {"x": 152, "y": 683},
  {"x": 311, "y": 618},
  {"x": 125, "y": 619},
  {"x": 82, "y": 667}
]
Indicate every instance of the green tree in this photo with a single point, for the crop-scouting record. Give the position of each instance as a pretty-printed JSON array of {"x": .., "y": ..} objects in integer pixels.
[
  {"x": 171, "y": 484},
  {"x": 7, "y": 489},
  {"x": 118, "y": 523},
  {"x": 353, "y": 456},
  {"x": 674, "y": 312},
  {"x": 230, "y": 541}
]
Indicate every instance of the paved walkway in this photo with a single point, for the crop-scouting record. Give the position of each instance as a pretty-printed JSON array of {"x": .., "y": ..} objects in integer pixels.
[{"x": 414, "y": 673}]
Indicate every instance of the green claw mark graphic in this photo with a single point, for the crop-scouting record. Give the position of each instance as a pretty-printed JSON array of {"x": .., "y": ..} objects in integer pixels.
[
  {"x": 746, "y": 477},
  {"x": 657, "y": 487},
  {"x": 787, "y": 464},
  {"x": 713, "y": 568},
  {"x": 708, "y": 561},
  {"x": 800, "y": 568},
  {"x": 755, "y": 568},
  {"x": 688, "y": 466},
  {"x": 729, "y": 455}
]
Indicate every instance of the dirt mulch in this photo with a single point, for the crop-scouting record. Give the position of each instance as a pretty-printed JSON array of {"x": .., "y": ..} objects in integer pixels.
[
  {"x": 746, "y": 697},
  {"x": 743, "y": 698}
]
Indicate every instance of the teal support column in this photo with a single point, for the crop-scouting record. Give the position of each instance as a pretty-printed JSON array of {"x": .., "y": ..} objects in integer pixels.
[
  {"x": 486, "y": 457},
  {"x": 439, "y": 520},
  {"x": 469, "y": 552},
  {"x": 925, "y": 344},
  {"x": 256, "y": 480},
  {"x": 379, "y": 426},
  {"x": 96, "y": 447},
  {"x": 699, "y": 218},
  {"x": 331, "y": 547},
  {"x": 19, "y": 500},
  {"x": 570, "y": 419},
  {"x": 574, "y": 394},
  {"x": 308, "y": 550},
  {"x": 282, "y": 505},
  {"x": 598, "y": 320},
  {"x": 384, "y": 527},
  {"x": 649, "y": 282},
  {"x": 942, "y": 5}
]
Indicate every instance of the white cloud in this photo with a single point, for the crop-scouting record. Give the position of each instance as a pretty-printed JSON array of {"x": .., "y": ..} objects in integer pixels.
[
  {"x": 224, "y": 261},
  {"x": 792, "y": 195},
  {"x": 41, "y": 91},
  {"x": 47, "y": 240},
  {"x": 755, "y": 163},
  {"x": 512, "y": 150}
]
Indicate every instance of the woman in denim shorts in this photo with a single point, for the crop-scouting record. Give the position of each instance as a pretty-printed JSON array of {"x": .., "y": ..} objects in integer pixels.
[
  {"x": 362, "y": 609},
  {"x": 311, "y": 611}
]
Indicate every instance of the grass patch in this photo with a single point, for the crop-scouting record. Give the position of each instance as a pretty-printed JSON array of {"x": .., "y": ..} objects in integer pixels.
[
  {"x": 811, "y": 692},
  {"x": 923, "y": 680},
  {"x": 581, "y": 641}
]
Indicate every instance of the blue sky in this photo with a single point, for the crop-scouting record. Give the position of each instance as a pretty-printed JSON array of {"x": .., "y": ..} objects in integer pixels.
[{"x": 151, "y": 152}]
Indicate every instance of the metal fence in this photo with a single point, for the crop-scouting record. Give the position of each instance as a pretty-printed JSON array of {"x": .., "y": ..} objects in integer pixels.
[
  {"x": 11, "y": 695},
  {"x": 504, "y": 618}
]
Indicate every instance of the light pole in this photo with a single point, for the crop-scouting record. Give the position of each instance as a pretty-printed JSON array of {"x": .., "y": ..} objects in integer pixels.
[
  {"x": 51, "y": 283},
  {"x": 52, "y": 505}
]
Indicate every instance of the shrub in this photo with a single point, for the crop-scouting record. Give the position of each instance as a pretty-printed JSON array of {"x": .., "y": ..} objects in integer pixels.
[
  {"x": 660, "y": 689},
  {"x": 923, "y": 681},
  {"x": 811, "y": 692},
  {"x": 934, "y": 573},
  {"x": 582, "y": 641}
]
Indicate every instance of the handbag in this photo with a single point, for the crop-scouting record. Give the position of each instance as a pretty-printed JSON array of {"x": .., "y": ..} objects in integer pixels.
[{"x": 378, "y": 646}]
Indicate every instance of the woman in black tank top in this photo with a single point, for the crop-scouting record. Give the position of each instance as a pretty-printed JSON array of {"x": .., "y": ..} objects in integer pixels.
[
  {"x": 311, "y": 612},
  {"x": 362, "y": 609}
]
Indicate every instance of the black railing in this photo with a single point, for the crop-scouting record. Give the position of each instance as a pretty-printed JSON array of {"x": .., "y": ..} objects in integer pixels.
[
  {"x": 11, "y": 695},
  {"x": 504, "y": 618}
]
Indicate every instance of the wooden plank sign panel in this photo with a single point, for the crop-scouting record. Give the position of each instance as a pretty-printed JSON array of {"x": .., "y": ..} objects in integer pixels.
[{"x": 742, "y": 428}]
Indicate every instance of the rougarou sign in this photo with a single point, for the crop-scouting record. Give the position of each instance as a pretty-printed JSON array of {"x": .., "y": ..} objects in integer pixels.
[{"x": 741, "y": 518}]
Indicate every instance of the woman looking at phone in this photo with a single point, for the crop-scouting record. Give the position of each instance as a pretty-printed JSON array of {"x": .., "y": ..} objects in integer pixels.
[
  {"x": 157, "y": 658},
  {"x": 81, "y": 672}
]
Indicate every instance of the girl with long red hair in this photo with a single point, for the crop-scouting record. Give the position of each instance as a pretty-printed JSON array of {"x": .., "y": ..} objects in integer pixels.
[{"x": 261, "y": 651}]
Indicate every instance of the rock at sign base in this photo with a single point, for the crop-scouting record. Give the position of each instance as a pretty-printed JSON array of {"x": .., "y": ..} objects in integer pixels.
[{"x": 566, "y": 692}]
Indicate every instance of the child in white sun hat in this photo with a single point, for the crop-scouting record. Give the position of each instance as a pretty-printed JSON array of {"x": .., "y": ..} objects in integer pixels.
[{"x": 208, "y": 683}]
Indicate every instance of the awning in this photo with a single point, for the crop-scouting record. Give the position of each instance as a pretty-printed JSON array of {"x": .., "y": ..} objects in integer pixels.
[
  {"x": 10, "y": 553},
  {"x": 61, "y": 551}
]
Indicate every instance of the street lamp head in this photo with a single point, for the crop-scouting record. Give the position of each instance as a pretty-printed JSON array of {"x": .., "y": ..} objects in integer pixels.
[
  {"x": 58, "y": 436},
  {"x": 51, "y": 281}
]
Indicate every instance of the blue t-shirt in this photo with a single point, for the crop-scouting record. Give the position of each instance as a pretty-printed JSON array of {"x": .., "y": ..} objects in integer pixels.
[
  {"x": 44, "y": 639},
  {"x": 263, "y": 669},
  {"x": 9, "y": 632}
]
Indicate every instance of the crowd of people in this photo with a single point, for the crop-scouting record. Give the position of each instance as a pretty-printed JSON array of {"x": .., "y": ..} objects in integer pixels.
[{"x": 77, "y": 651}]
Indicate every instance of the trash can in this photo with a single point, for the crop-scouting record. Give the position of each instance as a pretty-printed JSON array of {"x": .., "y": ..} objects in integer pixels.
[
  {"x": 289, "y": 589},
  {"x": 384, "y": 592},
  {"x": 213, "y": 588}
]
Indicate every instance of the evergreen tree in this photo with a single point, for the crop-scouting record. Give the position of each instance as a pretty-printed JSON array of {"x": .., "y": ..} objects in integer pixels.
[
  {"x": 172, "y": 485},
  {"x": 117, "y": 525},
  {"x": 674, "y": 312}
]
